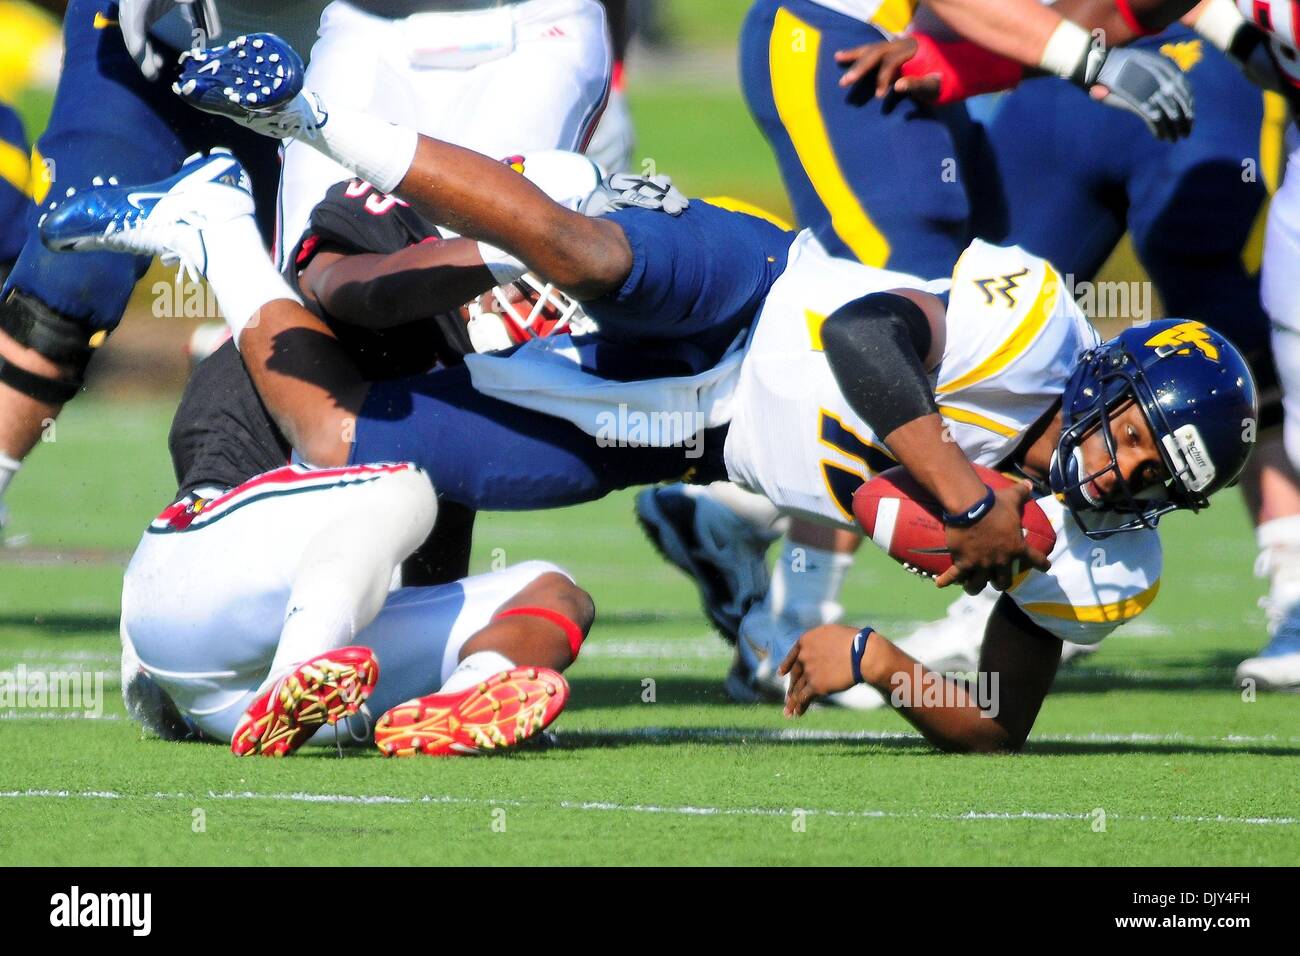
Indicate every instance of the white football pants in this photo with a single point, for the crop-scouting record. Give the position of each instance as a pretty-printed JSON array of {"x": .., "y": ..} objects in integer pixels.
[
  {"x": 206, "y": 597},
  {"x": 506, "y": 80}
]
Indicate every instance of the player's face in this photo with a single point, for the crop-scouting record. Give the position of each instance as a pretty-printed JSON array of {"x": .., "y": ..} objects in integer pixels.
[{"x": 1137, "y": 465}]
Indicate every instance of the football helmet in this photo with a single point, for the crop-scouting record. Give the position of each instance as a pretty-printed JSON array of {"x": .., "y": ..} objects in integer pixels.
[{"x": 1198, "y": 397}]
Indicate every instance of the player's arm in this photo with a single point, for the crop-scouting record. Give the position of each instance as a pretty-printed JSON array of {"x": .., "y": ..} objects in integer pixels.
[
  {"x": 879, "y": 349},
  {"x": 1005, "y": 40},
  {"x": 1017, "y": 665},
  {"x": 478, "y": 197},
  {"x": 379, "y": 290}
]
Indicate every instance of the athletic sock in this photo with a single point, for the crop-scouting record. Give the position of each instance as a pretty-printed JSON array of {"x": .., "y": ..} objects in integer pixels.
[
  {"x": 8, "y": 468},
  {"x": 806, "y": 584},
  {"x": 240, "y": 272},
  {"x": 475, "y": 669},
  {"x": 377, "y": 151},
  {"x": 1279, "y": 561}
]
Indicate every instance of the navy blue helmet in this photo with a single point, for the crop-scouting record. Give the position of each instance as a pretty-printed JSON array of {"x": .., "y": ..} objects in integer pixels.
[{"x": 1198, "y": 397}]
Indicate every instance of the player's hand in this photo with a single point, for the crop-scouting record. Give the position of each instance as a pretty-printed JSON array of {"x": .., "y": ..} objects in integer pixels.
[
  {"x": 993, "y": 549},
  {"x": 819, "y": 664},
  {"x": 885, "y": 59},
  {"x": 628, "y": 190},
  {"x": 136, "y": 17},
  {"x": 1149, "y": 85}
]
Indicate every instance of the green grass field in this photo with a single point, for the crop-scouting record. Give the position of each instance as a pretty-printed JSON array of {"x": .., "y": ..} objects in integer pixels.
[{"x": 1149, "y": 730}]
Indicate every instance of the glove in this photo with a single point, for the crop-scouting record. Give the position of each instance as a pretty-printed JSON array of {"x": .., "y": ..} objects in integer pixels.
[
  {"x": 1147, "y": 84},
  {"x": 137, "y": 17},
  {"x": 625, "y": 190}
]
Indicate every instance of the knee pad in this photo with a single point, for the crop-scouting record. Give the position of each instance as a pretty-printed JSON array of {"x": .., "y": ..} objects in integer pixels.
[{"x": 34, "y": 325}]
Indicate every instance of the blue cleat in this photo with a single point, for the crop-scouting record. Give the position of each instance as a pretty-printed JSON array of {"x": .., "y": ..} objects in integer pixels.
[
  {"x": 166, "y": 218},
  {"x": 255, "y": 80}
]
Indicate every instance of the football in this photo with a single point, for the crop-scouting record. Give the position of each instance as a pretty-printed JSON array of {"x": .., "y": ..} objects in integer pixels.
[{"x": 904, "y": 520}]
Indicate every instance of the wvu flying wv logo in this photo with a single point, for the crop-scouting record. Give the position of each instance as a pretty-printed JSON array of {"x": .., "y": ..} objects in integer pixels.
[
  {"x": 1182, "y": 338},
  {"x": 1005, "y": 285}
]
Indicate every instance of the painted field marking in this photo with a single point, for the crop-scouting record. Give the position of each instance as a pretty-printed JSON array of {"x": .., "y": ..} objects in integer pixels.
[{"x": 676, "y": 810}]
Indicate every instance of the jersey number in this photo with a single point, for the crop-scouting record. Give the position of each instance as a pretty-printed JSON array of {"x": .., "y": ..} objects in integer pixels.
[{"x": 842, "y": 481}]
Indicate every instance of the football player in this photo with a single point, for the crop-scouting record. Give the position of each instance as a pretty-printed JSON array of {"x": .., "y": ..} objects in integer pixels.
[
  {"x": 848, "y": 369},
  {"x": 1195, "y": 214},
  {"x": 886, "y": 181},
  {"x": 260, "y": 605},
  {"x": 494, "y": 75},
  {"x": 113, "y": 119}
]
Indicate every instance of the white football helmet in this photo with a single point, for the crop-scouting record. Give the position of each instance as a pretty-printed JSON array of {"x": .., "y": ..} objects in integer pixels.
[{"x": 528, "y": 308}]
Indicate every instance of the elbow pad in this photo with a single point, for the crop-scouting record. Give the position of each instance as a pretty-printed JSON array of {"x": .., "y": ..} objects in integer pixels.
[{"x": 874, "y": 346}]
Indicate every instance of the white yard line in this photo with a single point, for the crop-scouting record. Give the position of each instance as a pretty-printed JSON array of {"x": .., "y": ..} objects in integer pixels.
[{"x": 643, "y": 808}]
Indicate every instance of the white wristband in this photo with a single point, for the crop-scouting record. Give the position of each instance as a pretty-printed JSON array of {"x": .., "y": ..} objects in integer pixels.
[
  {"x": 1066, "y": 52},
  {"x": 1219, "y": 23}
]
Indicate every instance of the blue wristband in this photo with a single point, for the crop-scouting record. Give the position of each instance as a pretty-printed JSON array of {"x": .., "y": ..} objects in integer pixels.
[
  {"x": 964, "y": 519},
  {"x": 857, "y": 649}
]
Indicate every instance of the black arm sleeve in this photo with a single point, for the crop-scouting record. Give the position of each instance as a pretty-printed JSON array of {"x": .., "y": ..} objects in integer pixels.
[{"x": 875, "y": 346}]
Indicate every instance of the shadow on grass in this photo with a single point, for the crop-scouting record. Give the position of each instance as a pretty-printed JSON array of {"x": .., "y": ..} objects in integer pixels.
[{"x": 62, "y": 624}]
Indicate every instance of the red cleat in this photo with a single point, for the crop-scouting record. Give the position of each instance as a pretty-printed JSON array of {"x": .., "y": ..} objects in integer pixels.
[
  {"x": 323, "y": 690},
  {"x": 501, "y": 712}
]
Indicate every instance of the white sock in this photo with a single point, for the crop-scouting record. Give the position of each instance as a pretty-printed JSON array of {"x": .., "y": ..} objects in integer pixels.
[
  {"x": 806, "y": 584},
  {"x": 241, "y": 273},
  {"x": 759, "y": 513},
  {"x": 8, "y": 468},
  {"x": 474, "y": 669},
  {"x": 377, "y": 151}
]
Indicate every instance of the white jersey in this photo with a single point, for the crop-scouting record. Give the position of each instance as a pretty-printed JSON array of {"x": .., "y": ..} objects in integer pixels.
[{"x": 1013, "y": 337}]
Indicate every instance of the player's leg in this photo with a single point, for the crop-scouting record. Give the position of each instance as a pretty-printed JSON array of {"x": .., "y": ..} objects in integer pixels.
[
  {"x": 253, "y": 600},
  {"x": 476, "y": 664},
  {"x": 1196, "y": 226},
  {"x": 877, "y": 180},
  {"x": 1278, "y": 664},
  {"x": 15, "y": 176},
  {"x": 1053, "y": 173},
  {"x": 345, "y": 69},
  {"x": 718, "y": 535}
]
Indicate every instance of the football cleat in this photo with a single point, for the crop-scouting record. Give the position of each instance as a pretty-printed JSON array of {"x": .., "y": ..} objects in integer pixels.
[
  {"x": 255, "y": 80},
  {"x": 496, "y": 714},
  {"x": 166, "y": 218},
  {"x": 1277, "y": 666},
  {"x": 721, "y": 552},
  {"x": 322, "y": 691}
]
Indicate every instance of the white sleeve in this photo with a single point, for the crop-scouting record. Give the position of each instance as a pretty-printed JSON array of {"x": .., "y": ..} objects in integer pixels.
[
  {"x": 1094, "y": 585},
  {"x": 503, "y": 266}
]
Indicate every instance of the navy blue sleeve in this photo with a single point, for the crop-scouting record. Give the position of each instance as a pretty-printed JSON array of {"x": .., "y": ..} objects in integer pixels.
[{"x": 701, "y": 275}]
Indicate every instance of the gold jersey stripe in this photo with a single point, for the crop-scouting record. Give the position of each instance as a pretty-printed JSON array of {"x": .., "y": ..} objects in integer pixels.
[
  {"x": 792, "y": 61},
  {"x": 15, "y": 167},
  {"x": 893, "y": 16},
  {"x": 1096, "y": 613},
  {"x": 967, "y": 417},
  {"x": 815, "y": 322},
  {"x": 732, "y": 204},
  {"x": 1024, "y": 335}
]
